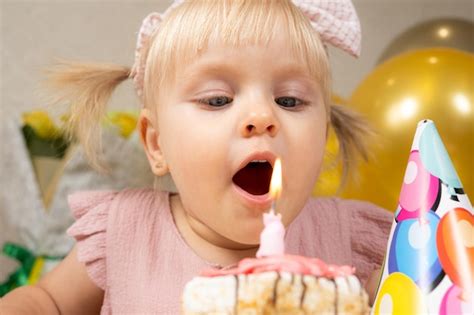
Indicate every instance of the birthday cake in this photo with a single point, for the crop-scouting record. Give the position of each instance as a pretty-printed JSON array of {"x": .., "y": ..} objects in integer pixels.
[{"x": 282, "y": 284}]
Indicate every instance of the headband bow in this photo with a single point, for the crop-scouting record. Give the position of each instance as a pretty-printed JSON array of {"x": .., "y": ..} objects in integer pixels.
[{"x": 336, "y": 22}]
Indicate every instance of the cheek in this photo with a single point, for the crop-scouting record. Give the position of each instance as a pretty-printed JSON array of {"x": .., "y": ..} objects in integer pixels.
[
  {"x": 305, "y": 155},
  {"x": 194, "y": 151},
  {"x": 310, "y": 152},
  {"x": 308, "y": 141},
  {"x": 302, "y": 175}
]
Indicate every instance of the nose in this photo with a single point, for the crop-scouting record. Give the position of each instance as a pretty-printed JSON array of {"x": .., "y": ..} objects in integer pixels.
[{"x": 259, "y": 121}]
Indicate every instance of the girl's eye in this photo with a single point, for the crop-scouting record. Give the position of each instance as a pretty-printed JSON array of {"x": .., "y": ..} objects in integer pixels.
[
  {"x": 217, "y": 101},
  {"x": 288, "y": 102}
]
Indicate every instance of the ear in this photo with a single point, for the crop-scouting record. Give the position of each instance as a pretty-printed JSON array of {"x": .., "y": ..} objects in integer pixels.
[{"x": 149, "y": 135}]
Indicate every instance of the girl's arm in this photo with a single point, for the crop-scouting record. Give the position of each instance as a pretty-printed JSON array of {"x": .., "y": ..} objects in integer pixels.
[{"x": 67, "y": 289}]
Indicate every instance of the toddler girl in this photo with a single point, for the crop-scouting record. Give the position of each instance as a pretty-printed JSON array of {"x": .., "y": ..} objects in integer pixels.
[{"x": 226, "y": 87}]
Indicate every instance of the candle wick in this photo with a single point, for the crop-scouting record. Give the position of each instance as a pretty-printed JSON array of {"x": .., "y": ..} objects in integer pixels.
[{"x": 274, "y": 209}]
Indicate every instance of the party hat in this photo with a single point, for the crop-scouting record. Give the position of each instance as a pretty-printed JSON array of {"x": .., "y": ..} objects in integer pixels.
[{"x": 429, "y": 265}]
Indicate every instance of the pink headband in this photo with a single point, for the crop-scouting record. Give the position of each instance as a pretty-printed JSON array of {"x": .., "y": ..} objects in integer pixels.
[{"x": 336, "y": 22}]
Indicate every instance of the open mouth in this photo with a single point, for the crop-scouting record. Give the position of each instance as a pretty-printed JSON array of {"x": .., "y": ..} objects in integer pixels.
[{"x": 255, "y": 177}]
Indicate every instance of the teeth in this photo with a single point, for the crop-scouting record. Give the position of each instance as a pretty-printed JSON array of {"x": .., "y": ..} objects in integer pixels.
[{"x": 259, "y": 161}]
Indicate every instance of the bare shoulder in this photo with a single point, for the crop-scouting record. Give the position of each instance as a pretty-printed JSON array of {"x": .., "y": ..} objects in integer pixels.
[{"x": 71, "y": 288}]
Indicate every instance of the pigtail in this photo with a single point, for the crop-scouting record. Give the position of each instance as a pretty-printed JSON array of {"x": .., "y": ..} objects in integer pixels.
[
  {"x": 353, "y": 133},
  {"x": 86, "y": 89}
]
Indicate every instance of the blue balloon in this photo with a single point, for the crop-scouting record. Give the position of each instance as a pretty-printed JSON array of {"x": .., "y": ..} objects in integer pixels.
[
  {"x": 435, "y": 158},
  {"x": 413, "y": 251}
]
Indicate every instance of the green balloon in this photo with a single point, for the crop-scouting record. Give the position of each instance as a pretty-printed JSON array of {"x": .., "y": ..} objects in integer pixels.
[{"x": 444, "y": 32}]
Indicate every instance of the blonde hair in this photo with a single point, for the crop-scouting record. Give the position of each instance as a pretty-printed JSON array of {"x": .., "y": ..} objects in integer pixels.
[
  {"x": 184, "y": 33},
  {"x": 187, "y": 31}
]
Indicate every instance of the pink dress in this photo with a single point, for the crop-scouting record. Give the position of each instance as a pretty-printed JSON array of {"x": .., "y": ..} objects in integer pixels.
[{"x": 133, "y": 251}]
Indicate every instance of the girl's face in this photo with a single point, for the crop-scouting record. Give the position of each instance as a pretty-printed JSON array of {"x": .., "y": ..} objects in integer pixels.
[{"x": 222, "y": 124}]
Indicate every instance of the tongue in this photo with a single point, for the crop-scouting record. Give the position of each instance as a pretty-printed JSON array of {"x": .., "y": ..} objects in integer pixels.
[{"x": 254, "y": 178}]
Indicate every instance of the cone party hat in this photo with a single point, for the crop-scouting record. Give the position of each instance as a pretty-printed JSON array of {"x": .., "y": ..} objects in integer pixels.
[{"x": 429, "y": 265}]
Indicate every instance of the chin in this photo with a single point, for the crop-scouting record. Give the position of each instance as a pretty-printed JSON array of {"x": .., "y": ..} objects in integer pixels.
[
  {"x": 250, "y": 241},
  {"x": 246, "y": 237},
  {"x": 242, "y": 230}
]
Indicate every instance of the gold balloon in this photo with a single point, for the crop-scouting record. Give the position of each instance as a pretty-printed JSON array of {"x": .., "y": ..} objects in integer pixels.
[
  {"x": 445, "y": 32},
  {"x": 436, "y": 84}
]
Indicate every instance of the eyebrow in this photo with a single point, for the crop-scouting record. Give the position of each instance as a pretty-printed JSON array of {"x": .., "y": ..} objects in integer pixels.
[
  {"x": 219, "y": 70},
  {"x": 226, "y": 70},
  {"x": 292, "y": 71},
  {"x": 190, "y": 79}
]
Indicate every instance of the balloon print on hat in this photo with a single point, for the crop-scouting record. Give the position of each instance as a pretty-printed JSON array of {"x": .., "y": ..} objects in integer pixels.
[
  {"x": 413, "y": 251},
  {"x": 391, "y": 301},
  {"x": 455, "y": 242},
  {"x": 420, "y": 190},
  {"x": 454, "y": 302}
]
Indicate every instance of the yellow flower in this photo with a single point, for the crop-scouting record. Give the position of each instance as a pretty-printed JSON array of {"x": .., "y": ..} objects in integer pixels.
[
  {"x": 126, "y": 122},
  {"x": 41, "y": 123}
]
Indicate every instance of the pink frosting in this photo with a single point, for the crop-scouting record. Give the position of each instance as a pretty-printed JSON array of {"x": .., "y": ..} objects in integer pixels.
[
  {"x": 288, "y": 263},
  {"x": 272, "y": 238}
]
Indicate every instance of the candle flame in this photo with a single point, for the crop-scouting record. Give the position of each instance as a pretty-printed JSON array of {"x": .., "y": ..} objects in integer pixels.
[{"x": 275, "y": 184}]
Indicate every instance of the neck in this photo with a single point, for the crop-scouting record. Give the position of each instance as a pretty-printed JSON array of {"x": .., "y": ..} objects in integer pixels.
[{"x": 205, "y": 242}]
